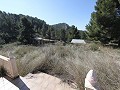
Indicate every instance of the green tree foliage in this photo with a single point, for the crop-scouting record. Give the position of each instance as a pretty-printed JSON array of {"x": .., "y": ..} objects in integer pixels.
[
  {"x": 48, "y": 33},
  {"x": 63, "y": 35},
  {"x": 53, "y": 33},
  {"x": 2, "y": 41},
  {"x": 24, "y": 28},
  {"x": 11, "y": 27},
  {"x": 74, "y": 33},
  {"x": 27, "y": 33},
  {"x": 104, "y": 24},
  {"x": 83, "y": 34},
  {"x": 8, "y": 27},
  {"x": 92, "y": 28},
  {"x": 44, "y": 29}
]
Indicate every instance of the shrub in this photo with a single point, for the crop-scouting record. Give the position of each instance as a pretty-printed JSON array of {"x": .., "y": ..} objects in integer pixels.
[
  {"x": 94, "y": 47},
  {"x": 71, "y": 63}
]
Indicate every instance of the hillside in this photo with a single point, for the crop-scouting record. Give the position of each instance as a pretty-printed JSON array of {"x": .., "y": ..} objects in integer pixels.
[
  {"x": 22, "y": 28},
  {"x": 60, "y": 26},
  {"x": 70, "y": 63}
]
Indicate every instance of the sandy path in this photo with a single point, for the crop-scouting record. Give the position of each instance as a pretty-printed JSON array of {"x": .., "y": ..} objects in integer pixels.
[{"x": 39, "y": 81}]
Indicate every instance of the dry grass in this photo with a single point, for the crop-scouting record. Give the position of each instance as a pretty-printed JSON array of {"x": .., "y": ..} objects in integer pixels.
[{"x": 71, "y": 62}]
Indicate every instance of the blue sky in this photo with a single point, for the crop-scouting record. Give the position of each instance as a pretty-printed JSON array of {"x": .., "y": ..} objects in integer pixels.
[{"x": 72, "y": 12}]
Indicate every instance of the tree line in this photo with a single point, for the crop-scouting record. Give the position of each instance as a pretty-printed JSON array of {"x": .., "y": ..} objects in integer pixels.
[
  {"x": 14, "y": 28},
  {"x": 104, "y": 25}
]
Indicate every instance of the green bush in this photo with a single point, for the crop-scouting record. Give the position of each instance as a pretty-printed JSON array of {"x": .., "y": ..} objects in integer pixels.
[
  {"x": 2, "y": 41},
  {"x": 1, "y": 46},
  {"x": 94, "y": 47}
]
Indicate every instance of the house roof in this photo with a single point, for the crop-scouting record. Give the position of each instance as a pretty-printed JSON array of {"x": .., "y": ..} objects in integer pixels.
[
  {"x": 38, "y": 38},
  {"x": 78, "y": 41}
]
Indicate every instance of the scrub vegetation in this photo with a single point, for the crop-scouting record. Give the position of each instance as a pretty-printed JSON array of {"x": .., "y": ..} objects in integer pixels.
[{"x": 70, "y": 62}]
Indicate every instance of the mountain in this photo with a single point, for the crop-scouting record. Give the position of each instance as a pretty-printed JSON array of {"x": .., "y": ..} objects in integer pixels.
[
  {"x": 24, "y": 28},
  {"x": 60, "y": 26}
]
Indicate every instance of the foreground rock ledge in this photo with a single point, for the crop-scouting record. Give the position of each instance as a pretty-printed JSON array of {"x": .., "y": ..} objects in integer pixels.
[{"x": 39, "y": 81}]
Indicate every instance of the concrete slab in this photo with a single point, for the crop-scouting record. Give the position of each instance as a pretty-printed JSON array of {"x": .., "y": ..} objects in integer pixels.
[
  {"x": 39, "y": 81},
  {"x": 6, "y": 85}
]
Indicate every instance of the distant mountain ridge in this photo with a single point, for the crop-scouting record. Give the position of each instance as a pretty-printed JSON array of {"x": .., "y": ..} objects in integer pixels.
[
  {"x": 60, "y": 26},
  {"x": 24, "y": 28}
]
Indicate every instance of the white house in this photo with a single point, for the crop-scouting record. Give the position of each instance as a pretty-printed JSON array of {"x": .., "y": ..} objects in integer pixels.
[{"x": 78, "y": 41}]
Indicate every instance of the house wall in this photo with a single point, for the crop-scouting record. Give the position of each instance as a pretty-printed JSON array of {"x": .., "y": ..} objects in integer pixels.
[{"x": 10, "y": 66}]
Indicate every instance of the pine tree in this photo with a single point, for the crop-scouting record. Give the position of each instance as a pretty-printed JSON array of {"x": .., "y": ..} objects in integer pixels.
[
  {"x": 53, "y": 33},
  {"x": 103, "y": 25},
  {"x": 93, "y": 29},
  {"x": 27, "y": 32},
  {"x": 73, "y": 33},
  {"x": 44, "y": 29},
  {"x": 76, "y": 33},
  {"x": 48, "y": 33},
  {"x": 63, "y": 35}
]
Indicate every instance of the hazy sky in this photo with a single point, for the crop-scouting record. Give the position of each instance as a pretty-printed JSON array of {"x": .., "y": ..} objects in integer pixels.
[{"x": 73, "y": 12}]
